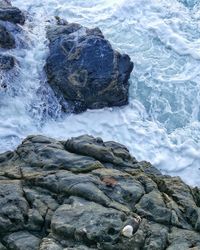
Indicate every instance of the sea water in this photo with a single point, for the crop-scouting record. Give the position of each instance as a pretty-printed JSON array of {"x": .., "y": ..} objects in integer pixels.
[{"x": 161, "y": 124}]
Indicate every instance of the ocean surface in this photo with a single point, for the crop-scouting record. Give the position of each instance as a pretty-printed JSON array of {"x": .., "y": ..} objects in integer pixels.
[{"x": 161, "y": 124}]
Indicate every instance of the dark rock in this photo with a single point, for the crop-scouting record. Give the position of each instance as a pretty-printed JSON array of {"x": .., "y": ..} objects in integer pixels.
[
  {"x": 95, "y": 147},
  {"x": 11, "y": 14},
  {"x": 53, "y": 156},
  {"x": 7, "y": 62},
  {"x": 84, "y": 69},
  {"x": 81, "y": 194},
  {"x": 13, "y": 206},
  {"x": 2, "y": 247},
  {"x": 179, "y": 239},
  {"x": 7, "y": 41},
  {"x": 88, "y": 222}
]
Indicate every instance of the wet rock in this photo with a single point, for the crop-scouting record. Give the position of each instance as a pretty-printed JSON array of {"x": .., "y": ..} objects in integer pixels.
[
  {"x": 84, "y": 193},
  {"x": 85, "y": 70},
  {"x": 7, "y": 41},
  {"x": 183, "y": 239},
  {"x": 152, "y": 206},
  {"x": 87, "y": 222},
  {"x": 11, "y": 14},
  {"x": 105, "y": 152},
  {"x": 7, "y": 62},
  {"x": 22, "y": 241},
  {"x": 53, "y": 156},
  {"x": 13, "y": 206}
]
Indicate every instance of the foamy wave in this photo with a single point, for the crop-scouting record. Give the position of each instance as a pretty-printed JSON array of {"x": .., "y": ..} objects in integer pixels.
[{"x": 161, "y": 123}]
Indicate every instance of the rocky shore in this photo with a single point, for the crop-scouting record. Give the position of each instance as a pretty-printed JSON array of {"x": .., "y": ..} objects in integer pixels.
[{"x": 84, "y": 193}]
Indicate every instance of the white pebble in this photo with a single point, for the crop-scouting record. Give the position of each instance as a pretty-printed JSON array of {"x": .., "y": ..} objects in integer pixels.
[{"x": 127, "y": 231}]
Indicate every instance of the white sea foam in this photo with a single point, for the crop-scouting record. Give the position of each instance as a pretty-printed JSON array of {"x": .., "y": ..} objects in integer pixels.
[{"x": 162, "y": 122}]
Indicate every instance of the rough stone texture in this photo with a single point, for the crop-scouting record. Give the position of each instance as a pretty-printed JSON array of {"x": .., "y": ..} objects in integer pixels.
[
  {"x": 84, "y": 70},
  {"x": 7, "y": 41},
  {"x": 8, "y": 15},
  {"x": 7, "y": 62},
  {"x": 11, "y": 14},
  {"x": 81, "y": 193},
  {"x": 22, "y": 240}
]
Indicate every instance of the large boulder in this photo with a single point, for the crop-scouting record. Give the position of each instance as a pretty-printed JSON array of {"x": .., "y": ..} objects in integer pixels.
[
  {"x": 86, "y": 194},
  {"x": 7, "y": 40},
  {"x": 85, "y": 70}
]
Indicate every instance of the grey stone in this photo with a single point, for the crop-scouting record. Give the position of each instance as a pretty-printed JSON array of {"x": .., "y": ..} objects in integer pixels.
[
  {"x": 22, "y": 241},
  {"x": 53, "y": 156},
  {"x": 11, "y": 14},
  {"x": 13, "y": 206},
  {"x": 7, "y": 41},
  {"x": 88, "y": 222}
]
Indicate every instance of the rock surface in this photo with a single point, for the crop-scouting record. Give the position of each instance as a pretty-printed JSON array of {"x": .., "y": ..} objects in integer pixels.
[
  {"x": 7, "y": 62},
  {"x": 11, "y": 14},
  {"x": 7, "y": 41},
  {"x": 84, "y": 193},
  {"x": 84, "y": 70},
  {"x": 8, "y": 15}
]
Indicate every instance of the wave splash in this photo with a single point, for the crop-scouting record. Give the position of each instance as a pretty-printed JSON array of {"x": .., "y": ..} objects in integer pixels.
[{"x": 162, "y": 121}]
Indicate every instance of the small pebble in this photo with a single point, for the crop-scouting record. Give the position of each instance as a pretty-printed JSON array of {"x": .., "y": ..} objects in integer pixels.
[{"x": 127, "y": 231}]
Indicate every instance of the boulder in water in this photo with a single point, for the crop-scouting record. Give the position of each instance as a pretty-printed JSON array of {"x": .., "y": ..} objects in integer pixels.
[
  {"x": 7, "y": 41},
  {"x": 11, "y": 14},
  {"x": 7, "y": 62},
  {"x": 85, "y": 70}
]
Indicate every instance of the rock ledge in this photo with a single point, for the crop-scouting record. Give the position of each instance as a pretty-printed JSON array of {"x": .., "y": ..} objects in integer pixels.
[{"x": 84, "y": 193}]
